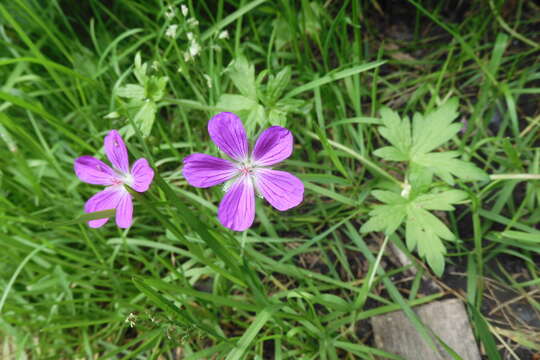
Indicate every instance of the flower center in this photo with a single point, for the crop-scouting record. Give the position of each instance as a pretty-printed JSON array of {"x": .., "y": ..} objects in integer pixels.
[
  {"x": 123, "y": 179},
  {"x": 246, "y": 169}
]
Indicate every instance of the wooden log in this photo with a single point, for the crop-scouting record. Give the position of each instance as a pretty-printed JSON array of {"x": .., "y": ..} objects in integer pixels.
[{"x": 448, "y": 319}]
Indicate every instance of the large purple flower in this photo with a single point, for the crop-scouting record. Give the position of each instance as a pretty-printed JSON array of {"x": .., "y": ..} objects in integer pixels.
[
  {"x": 247, "y": 172},
  {"x": 115, "y": 196}
]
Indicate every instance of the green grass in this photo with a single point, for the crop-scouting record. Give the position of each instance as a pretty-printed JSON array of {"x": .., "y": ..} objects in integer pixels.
[{"x": 300, "y": 284}]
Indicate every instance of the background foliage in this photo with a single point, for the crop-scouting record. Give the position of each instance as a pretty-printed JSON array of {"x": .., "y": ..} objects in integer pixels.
[{"x": 299, "y": 284}]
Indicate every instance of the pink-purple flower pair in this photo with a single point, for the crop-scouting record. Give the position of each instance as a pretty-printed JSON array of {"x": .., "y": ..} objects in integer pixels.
[
  {"x": 115, "y": 195},
  {"x": 247, "y": 173}
]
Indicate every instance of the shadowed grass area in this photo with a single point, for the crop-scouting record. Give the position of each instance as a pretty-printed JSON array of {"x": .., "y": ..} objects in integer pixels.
[{"x": 298, "y": 284}]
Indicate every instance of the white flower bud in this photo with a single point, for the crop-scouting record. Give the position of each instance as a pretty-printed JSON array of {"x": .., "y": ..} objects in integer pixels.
[
  {"x": 171, "y": 31},
  {"x": 192, "y": 22},
  {"x": 169, "y": 13},
  {"x": 223, "y": 35},
  {"x": 208, "y": 80},
  {"x": 184, "y": 9},
  {"x": 194, "y": 49}
]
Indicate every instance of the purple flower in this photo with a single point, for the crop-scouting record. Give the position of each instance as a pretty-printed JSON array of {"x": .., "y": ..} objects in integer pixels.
[
  {"x": 115, "y": 196},
  {"x": 247, "y": 172}
]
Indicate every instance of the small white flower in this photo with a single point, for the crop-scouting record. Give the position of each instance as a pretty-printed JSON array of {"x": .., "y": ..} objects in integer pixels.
[
  {"x": 169, "y": 13},
  {"x": 194, "y": 49},
  {"x": 184, "y": 9},
  {"x": 223, "y": 35},
  {"x": 208, "y": 80},
  {"x": 189, "y": 36},
  {"x": 192, "y": 22},
  {"x": 171, "y": 31},
  {"x": 131, "y": 319},
  {"x": 187, "y": 56}
]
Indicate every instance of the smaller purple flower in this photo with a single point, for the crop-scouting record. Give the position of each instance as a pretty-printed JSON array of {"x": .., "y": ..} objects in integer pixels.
[
  {"x": 247, "y": 173},
  {"x": 115, "y": 196}
]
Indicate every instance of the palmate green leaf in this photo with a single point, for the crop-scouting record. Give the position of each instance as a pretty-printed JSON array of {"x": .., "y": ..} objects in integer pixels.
[
  {"x": 434, "y": 129},
  {"x": 389, "y": 197},
  {"x": 249, "y": 110},
  {"x": 277, "y": 85},
  {"x": 256, "y": 116},
  {"x": 424, "y": 231},
  {"x": 385, "y": 218},
  {"x": 416, "y": 145},
  {"x": 155, "y": 87},
  {"x": 131, "y": 91},
  {"x": 396, "y": 131},
  {"x": 277, "y": 117},
  {"x": 430, "y": 246},
  {"x": 144, "y": 119},
  {"x": 445, "y": 164},
  {"x": 440, "y": 201},
  {"x": 391, "y": 153},
  {"x": 235, "y": 103}
]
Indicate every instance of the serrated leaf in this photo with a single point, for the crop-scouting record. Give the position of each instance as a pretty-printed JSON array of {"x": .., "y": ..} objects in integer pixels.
[
  {"x": 242, "y": 74},
  {"x": 277, "y": 117},
  {"x": 232, "y": 102},
  {"x": 413, "y": 232},
  {"x": 388, "y": 197},
  {"x": 435, "y": 252},
  {"x": 435, "y": 128},
  {"x": 155, "y": 87},
  {"x": 422, "y": 231},
  {"x": 256, "y": 116},
  {"x": 445, "y": 164},
  {"x": 131, "y": 91},
  {"x": 277, "y": 85},
  {"x": 390, "y": 153},
  {"x": 440, "y": 201},
  {"x": 294, "y": 105},
  {"x": 431, "y": 222},
  {"x": 140, "y": 73},
  {"x": 144, "y": 119},
  {"x": 429, "y": 132},
  {"x": 420, "y": 177},
  {"x": 385, "y": 218},
  {"x": 395, "y": 130}
]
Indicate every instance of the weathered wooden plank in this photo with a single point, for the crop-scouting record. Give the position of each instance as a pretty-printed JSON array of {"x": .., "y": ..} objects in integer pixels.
[{"x": 448, "y": 319}]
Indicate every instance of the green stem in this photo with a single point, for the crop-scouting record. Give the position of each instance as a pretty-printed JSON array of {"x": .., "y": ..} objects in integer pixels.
[{"x": 515, "y": 177}]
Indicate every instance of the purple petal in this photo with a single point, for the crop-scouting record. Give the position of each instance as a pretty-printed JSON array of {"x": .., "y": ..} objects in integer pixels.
[
  {"x": 124, "y": 211},
  {"x": 201, "y": 170},
  {"x": 104, "y": 200},
  {"x": 116, "y": 151},
  {"x": 237, "y": 209},
  {"x": 94, "y": 171},
  {"x": 282, "y": 190},
  {"x": 229, "y": 135},
  {"x": 274, "y": 145},
  {"x": 142, "y": 174}
]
